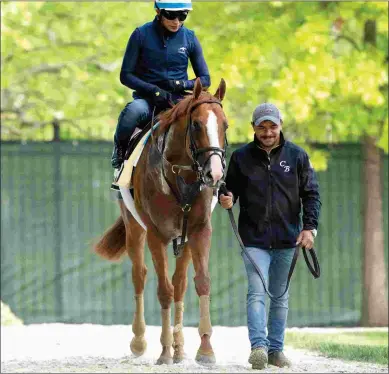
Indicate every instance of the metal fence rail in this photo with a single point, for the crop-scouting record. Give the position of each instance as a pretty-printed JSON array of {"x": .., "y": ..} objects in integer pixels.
[{"x": 56, "y": 201}]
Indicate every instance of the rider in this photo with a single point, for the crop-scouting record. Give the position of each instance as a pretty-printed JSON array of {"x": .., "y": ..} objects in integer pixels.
[{"x": 155, "y": 66}]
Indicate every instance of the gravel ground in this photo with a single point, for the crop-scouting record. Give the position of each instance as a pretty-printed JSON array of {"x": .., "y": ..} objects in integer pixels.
[{"x": 60, "y": 348}]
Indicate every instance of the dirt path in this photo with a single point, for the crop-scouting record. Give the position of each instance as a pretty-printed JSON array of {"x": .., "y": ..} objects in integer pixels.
[{"x": 58, "y": 348}]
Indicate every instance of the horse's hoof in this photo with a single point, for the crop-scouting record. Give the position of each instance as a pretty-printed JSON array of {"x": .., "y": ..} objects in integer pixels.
[
  {"x": 166, "y": 356},
  {"x": 138, "y": 346},
  {"x": 179, "y": 355},
  {"x": 205, "y": 357},
  {"x": 164, "y": 360},
  {"x": 178, "y": 360}
]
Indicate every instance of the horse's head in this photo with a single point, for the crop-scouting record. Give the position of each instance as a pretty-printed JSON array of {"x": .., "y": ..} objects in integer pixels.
[{"x": 206, "y": 132}]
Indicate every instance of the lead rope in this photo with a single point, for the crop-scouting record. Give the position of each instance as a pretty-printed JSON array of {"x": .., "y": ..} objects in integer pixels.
[{"x": 314, "y": 269}]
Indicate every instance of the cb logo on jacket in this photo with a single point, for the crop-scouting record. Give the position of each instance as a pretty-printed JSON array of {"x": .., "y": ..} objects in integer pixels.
[{"x": 284, "y": 166}]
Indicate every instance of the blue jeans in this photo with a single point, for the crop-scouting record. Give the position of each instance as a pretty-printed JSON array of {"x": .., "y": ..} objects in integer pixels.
[
  {"x": 274, "y": 265},
  {"x": 135, "y": 114}
]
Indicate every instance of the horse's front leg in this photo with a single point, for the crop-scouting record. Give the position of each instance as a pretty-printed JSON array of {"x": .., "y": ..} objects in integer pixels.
[
  {"x": 180, "y": 282},
  {"x": 200, "y": 244},
  {"x": 165, "y": 292}
]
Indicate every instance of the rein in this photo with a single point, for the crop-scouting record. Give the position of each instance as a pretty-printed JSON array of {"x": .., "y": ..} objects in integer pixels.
[{"x": 314, "y": 269}]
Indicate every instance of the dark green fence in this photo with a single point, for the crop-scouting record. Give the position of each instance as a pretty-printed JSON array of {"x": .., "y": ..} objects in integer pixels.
[{"x": 56, "y": 201}]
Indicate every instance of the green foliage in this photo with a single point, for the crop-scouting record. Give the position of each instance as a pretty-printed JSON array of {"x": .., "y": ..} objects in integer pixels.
[
  {"x": 62, "y": 60},
  {"x": 7, "y": 317},
  {"x": 368, "y": 346}
]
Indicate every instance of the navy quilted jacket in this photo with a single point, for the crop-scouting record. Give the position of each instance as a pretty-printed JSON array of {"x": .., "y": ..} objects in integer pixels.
[{"x": 154, "y": 55}]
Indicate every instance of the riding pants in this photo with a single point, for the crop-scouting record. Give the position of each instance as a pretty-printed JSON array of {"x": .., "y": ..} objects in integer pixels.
[{"x": 135, "y": 114}]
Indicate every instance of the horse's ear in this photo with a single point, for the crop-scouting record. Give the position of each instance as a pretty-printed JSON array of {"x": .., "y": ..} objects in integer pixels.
[
  {"x": 197, "y": 88},
  {"x": 221, "y": 90}
]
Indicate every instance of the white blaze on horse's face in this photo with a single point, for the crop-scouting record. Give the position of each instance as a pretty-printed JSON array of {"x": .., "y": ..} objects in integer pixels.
[{"x": 213, "y": 136}]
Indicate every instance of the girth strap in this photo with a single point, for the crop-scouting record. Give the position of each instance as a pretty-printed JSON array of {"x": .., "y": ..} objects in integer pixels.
[{"x": 187, "y": 193}]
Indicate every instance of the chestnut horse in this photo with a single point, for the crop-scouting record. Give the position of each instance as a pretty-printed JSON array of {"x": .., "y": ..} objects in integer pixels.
[{"x": 177, "y": 174}]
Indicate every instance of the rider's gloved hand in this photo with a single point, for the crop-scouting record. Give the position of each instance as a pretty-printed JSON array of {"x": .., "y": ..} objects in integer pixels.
[
  {"x": 177, "y": 86},
  {"x": 162, "y": 99}
]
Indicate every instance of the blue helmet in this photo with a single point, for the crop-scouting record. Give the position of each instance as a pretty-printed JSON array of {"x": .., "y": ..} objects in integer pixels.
[{"x": 173, "y": 5}]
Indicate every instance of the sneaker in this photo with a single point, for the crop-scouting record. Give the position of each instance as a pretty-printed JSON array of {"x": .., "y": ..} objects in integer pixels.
[
  {"x": 279, "y": 359},
  {"x": 258, "y": 358}
]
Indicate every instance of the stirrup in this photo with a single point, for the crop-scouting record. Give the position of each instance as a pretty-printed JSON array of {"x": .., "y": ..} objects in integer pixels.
[{"x": 114, "y": 185}]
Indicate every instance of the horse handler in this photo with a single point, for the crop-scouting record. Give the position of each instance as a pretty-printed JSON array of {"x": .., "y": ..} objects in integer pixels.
[{"x": 272, "y": 178}]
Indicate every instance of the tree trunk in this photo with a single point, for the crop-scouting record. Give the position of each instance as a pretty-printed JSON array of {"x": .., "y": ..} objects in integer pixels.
[{"x": 375, "y": 300}]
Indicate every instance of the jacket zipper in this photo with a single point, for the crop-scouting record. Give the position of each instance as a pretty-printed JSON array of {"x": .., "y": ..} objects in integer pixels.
[
  {"x": 165, "y": 41},
  {"x": 269, "y": 208}
]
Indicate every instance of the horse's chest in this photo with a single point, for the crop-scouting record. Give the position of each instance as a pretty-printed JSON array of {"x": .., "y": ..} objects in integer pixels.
[
  {"x": 163, "y": 205},
  {"x": 165, "y": 212}
]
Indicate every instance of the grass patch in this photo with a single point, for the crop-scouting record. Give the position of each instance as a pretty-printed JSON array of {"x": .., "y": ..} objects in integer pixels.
[{"x": 366, "y": 346}]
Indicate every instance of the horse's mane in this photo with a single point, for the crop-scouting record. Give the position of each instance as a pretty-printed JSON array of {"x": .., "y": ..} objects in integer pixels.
[{"x": 181, "y": 109}]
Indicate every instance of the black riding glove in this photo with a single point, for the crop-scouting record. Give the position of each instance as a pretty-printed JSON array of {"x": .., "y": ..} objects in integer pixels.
[
  {"x": 162, "y": 99},
  {"x": 177, "y": 86}
]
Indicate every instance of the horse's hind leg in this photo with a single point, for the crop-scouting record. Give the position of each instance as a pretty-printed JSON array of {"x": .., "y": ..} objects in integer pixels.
[
  {"x": 165, "y": 293},
  {"x": 135, "y": 241},
  {"x": 180, "y": 282}
]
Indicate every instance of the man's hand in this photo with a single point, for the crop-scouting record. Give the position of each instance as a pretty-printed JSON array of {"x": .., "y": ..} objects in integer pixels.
[
  {"x": 177, "y": 86},
  {"x": 226, "y": 201},
  {"x": 305, "y": 239}
]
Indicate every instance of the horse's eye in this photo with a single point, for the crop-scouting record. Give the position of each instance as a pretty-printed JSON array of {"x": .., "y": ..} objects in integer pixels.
[{"x": 196, "y": 126}]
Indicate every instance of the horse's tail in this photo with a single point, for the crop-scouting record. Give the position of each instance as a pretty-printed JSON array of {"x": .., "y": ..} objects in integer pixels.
[{"x": 113, "y": 243}]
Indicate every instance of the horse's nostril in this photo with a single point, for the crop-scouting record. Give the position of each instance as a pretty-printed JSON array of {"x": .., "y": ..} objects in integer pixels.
[{"x": 209, "y": 175}]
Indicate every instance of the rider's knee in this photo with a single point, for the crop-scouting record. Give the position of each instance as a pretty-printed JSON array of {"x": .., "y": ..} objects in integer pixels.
[{"x": 135, "y": 112}]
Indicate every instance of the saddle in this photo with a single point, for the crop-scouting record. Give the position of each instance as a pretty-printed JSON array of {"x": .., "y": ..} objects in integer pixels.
[{"x": 134, "y": 148}]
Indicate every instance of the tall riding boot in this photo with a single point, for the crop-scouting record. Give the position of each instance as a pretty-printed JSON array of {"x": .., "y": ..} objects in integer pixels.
[
  {"x": 117, "y": 163},
  {"x": 117, "y": 156}
]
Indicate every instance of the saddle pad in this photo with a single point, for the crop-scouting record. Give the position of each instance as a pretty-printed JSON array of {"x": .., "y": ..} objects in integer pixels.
[{"x": 125, "y": 176}]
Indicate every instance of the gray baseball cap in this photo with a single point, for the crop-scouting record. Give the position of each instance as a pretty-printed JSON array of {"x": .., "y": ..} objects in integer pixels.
[{"x": 266, "y": 111}]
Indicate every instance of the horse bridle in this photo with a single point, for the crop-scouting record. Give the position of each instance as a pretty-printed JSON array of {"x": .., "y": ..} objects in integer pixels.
[{"x": 197, "y": 152}]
